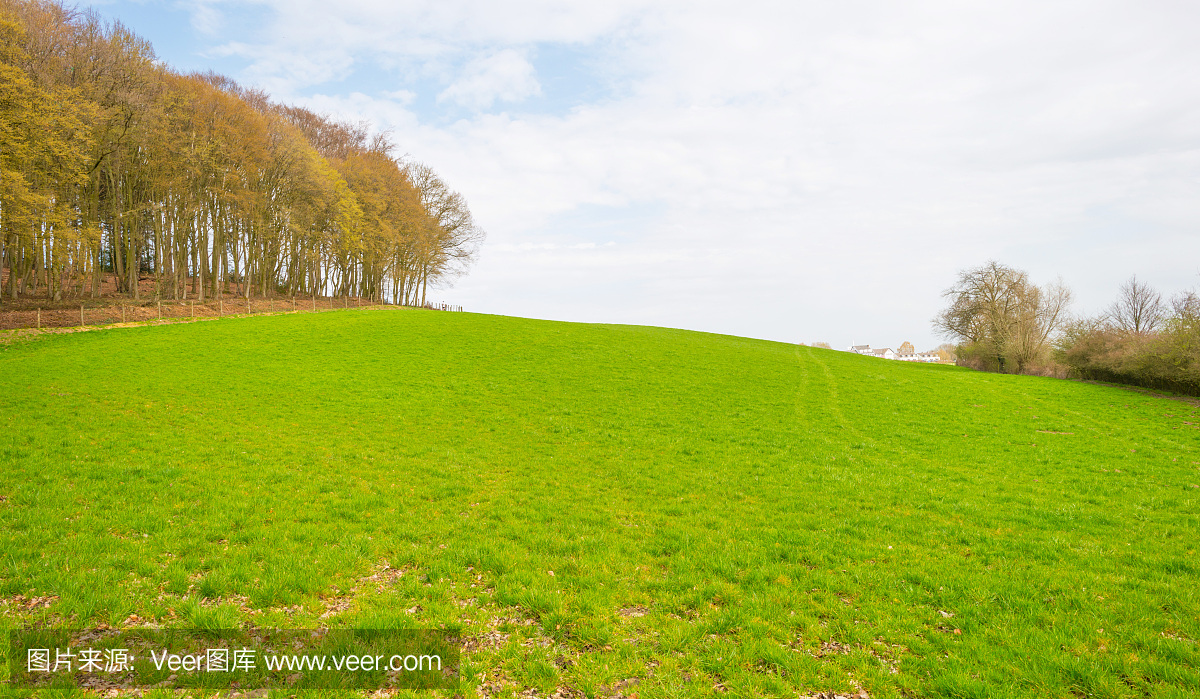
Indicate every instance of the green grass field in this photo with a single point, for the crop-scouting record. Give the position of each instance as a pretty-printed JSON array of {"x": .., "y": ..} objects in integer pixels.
[{"x": 607, "y": 510}]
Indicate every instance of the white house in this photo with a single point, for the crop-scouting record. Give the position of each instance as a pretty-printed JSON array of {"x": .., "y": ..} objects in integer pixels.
[
  {"x": 907, "y": 353},
  {"x": 885, "y": 353},
  {"x": 904, "y": 354},
  {"x": 920, "y": 357}
]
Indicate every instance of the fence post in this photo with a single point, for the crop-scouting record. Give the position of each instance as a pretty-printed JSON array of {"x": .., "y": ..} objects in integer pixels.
[
  {"x": 248, "y": 311},
  {"x": 293, "y": 304},
  {"x": 221, "y": 306},
  {"x": 192, "y": 309},
  {"x": 122, "y": 313},
  {"x": 314, "y": 302},
  {"x": 160, "y": 310},
  {"x": 81, "y": 315},
  {"x": 39, "y": 320}
]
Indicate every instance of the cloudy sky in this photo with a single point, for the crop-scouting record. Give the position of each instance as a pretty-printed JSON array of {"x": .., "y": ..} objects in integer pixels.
[{"x": 797, "y": 171}]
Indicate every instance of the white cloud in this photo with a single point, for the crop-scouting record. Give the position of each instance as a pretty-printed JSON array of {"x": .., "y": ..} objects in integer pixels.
[
  {"x": 278, "y": 74},
  {"x": 205, "y": 18},
  {"x": 506, "y": 76},
  {"x": 418, "y": 38},
  {"x": 401, "y": 97}
]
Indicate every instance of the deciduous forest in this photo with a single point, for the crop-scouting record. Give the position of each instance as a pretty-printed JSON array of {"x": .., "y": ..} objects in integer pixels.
[{"x": 115, "y": 169}]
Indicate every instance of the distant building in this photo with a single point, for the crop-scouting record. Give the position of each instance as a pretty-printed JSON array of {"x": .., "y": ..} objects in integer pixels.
[
  {"x": 906, "y": 353},
  {"x": 920, "y": 357}
]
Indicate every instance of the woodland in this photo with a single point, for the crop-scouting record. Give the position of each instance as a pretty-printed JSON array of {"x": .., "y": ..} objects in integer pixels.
[{"x": 117, "y": 171}]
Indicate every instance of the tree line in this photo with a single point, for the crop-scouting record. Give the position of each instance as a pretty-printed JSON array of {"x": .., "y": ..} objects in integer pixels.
[
  {"x": 113, "y": 166},
  {"x": 1003, "y": 322}
]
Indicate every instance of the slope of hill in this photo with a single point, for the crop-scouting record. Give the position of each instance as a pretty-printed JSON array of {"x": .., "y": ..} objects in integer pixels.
[{"x": 611, "y": 510}]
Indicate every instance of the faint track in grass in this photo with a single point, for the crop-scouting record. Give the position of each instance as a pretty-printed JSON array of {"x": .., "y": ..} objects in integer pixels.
[{"x": 830, "y": 387}]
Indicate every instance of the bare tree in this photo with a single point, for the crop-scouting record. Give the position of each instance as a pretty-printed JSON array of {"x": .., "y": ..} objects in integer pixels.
[
  {"x": 1185, "y": 310},
  {"x": 451, "y": 236},
  {"x": 1139, "y": 309},
  {"x": 997, "y": 314},
  {"x": 1042, "y": 311},
  {"x": 983, "y": 308}
]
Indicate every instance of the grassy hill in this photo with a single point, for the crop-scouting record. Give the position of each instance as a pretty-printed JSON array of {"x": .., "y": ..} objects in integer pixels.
[{"x": 610, "y": 510}]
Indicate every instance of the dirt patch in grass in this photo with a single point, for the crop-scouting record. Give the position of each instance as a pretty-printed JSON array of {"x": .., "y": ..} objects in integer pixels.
[{"x": 23, "y": 604}]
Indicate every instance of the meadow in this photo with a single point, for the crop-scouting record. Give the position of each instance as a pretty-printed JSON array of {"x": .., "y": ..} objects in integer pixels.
[{"x": 607, "y": 510}]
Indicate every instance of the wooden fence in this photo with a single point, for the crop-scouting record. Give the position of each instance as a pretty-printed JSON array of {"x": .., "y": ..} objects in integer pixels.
[{"x": 111, "y": 313}]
